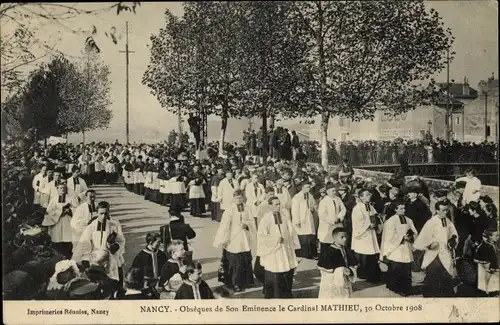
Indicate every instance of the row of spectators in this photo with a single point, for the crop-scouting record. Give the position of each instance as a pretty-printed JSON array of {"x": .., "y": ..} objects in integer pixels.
[{"x": 281, "y": 143}]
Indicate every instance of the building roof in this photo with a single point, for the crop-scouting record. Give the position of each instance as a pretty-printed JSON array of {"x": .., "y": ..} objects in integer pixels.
[{"x": 457, "y": 90}]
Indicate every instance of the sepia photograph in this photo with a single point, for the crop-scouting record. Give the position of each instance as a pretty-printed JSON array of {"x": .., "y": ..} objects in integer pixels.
[{"x": 288, "y": 161}]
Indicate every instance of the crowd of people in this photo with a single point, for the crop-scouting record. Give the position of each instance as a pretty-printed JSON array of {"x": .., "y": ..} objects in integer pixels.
[
  {"x": 285, "y": 144},
  {"x": 273, "y": 213}
]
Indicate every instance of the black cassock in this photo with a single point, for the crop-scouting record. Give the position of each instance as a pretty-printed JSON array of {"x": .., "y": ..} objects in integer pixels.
[
  {"x": 150, "y": 263},
  {"x": 190, "y": 290}
]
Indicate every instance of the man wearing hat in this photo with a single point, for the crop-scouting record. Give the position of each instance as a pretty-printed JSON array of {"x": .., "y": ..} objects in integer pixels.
[
  {"x": 416, "y": 209},
  {"x": 349, "y": 201},
  {"x": 58, "y": 220},
  {"x": 331, "y": 213},
  {"x": 303, "y": 209}
]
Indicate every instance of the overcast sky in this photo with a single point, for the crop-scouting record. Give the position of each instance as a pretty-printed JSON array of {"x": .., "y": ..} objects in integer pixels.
[{"x": 474, "y": 24}]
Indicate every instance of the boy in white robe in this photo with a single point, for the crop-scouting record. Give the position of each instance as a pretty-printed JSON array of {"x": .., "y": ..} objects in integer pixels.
[
  {"x": 473, "y": 185},
  {"x": 236, "y": 235},
  {"x": 43, "y": 188},
  {"x": 364, "y": 238},
  {"x": 255, "y": 193},
  {"x": 303, "y": 209},
  {"x": 103, "y": 233},
  {"x": 281, "y": 191},
  {"x": 82, "y": 216},
  {"x": 438, "y": 239},
  {"x": 331, "y": 213},
  {"x": 225, "y": 190},
  {"x": 277, "y": 241},
  {"x": 263, "y": 208},
  {"x": 37, "y": 183},
  {"x": 58, "y": 220},
  {"x": 50, "y": 188},
  {"x": 397, "y": 246},
  {"x": 76, "y": 185},
  {"x": 337, "y": 266}
]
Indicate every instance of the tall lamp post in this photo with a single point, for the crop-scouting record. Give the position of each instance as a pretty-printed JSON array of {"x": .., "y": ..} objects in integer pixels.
[
  {"x": 429, "y": 126},
  {"x": 484, "y": 89}
]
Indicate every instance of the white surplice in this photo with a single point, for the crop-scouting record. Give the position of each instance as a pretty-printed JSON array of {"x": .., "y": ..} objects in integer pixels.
[
  {"x": 50, "y": 190},
  {"x": 77, "y": 190},
  {"x": 302, "y": 217},
  {"x": 331, "y": 212},
  {"x": 231, "y": 232},
  {"x": 254, "y": 193},
  {"x": 225, "y": 193},
  {"x": 277, "y": 257},
  {"x": 392, "y": 237},
  {"x": 80, "y": 221},
  {"x": 93, "y": 239},
  {"x": 59, "y": 227},
  {"x": 434, "y": 231},
  {"x": 364, "y": 239},
  {"x": 472, "y": 189},
  {"x": 36, "y": 184},
  {"x": 263, "y": 208},
  {"x": 284, "y": 196}
]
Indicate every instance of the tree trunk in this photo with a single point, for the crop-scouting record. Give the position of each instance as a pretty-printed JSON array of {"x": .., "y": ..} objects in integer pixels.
[
  {"x": 179, "y": 126},
  {"x": 45, "y": 142},
  {"x": 271, "y": 121},
  {"x": 265, "y": 145},
  {"x": 223, "y": 128},
  {"x": 83, "y": 136},
  {"x": 324, "y": 140}
]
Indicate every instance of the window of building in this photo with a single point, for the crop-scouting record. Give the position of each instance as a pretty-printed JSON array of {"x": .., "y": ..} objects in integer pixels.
[
  {"x": 341, "y": 122},
  {"x": 343, "y": 136},
  {"x": 457, "y": 120}
]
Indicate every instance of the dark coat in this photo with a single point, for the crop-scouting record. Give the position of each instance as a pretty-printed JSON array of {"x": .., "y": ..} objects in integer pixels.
[{"x": 179, "y": 230}]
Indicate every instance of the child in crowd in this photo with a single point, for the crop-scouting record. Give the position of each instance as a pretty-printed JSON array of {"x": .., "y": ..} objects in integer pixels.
[
  {"x": 151, "y": 260},
  {"x": 97, "y": 272},
  {"x": 171, "y": 272},
  {"x": 221, "y": 293},
  {"x": 134, "y": 286},
  {"x": 65, "y": 271},
  {"x": 397, "y": 241},
  {"x": 194, "y": 287},
  {"x": 486, "y": 258},
  {"x": 338, "y": 267}
]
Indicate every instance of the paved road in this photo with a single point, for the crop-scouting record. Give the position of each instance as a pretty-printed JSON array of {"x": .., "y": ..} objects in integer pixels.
[{"x": 138, "y": 217}]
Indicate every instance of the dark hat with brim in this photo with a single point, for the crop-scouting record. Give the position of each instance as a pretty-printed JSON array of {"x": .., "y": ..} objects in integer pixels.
[
  {"x": 329, "y": 186},
  {"x": 441, "y": 193},
  {"x": 343, "y": 187},
  {"x": 460, "y": 184}
]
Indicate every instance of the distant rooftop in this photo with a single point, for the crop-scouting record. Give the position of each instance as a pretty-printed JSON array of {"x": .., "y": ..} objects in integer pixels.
[{"x": 460, "y": 90}]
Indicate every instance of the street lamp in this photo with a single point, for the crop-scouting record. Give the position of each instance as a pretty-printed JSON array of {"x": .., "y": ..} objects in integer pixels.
[
  {"x": 429, "y": 124},
  {"x": 484, "y": 89}
]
